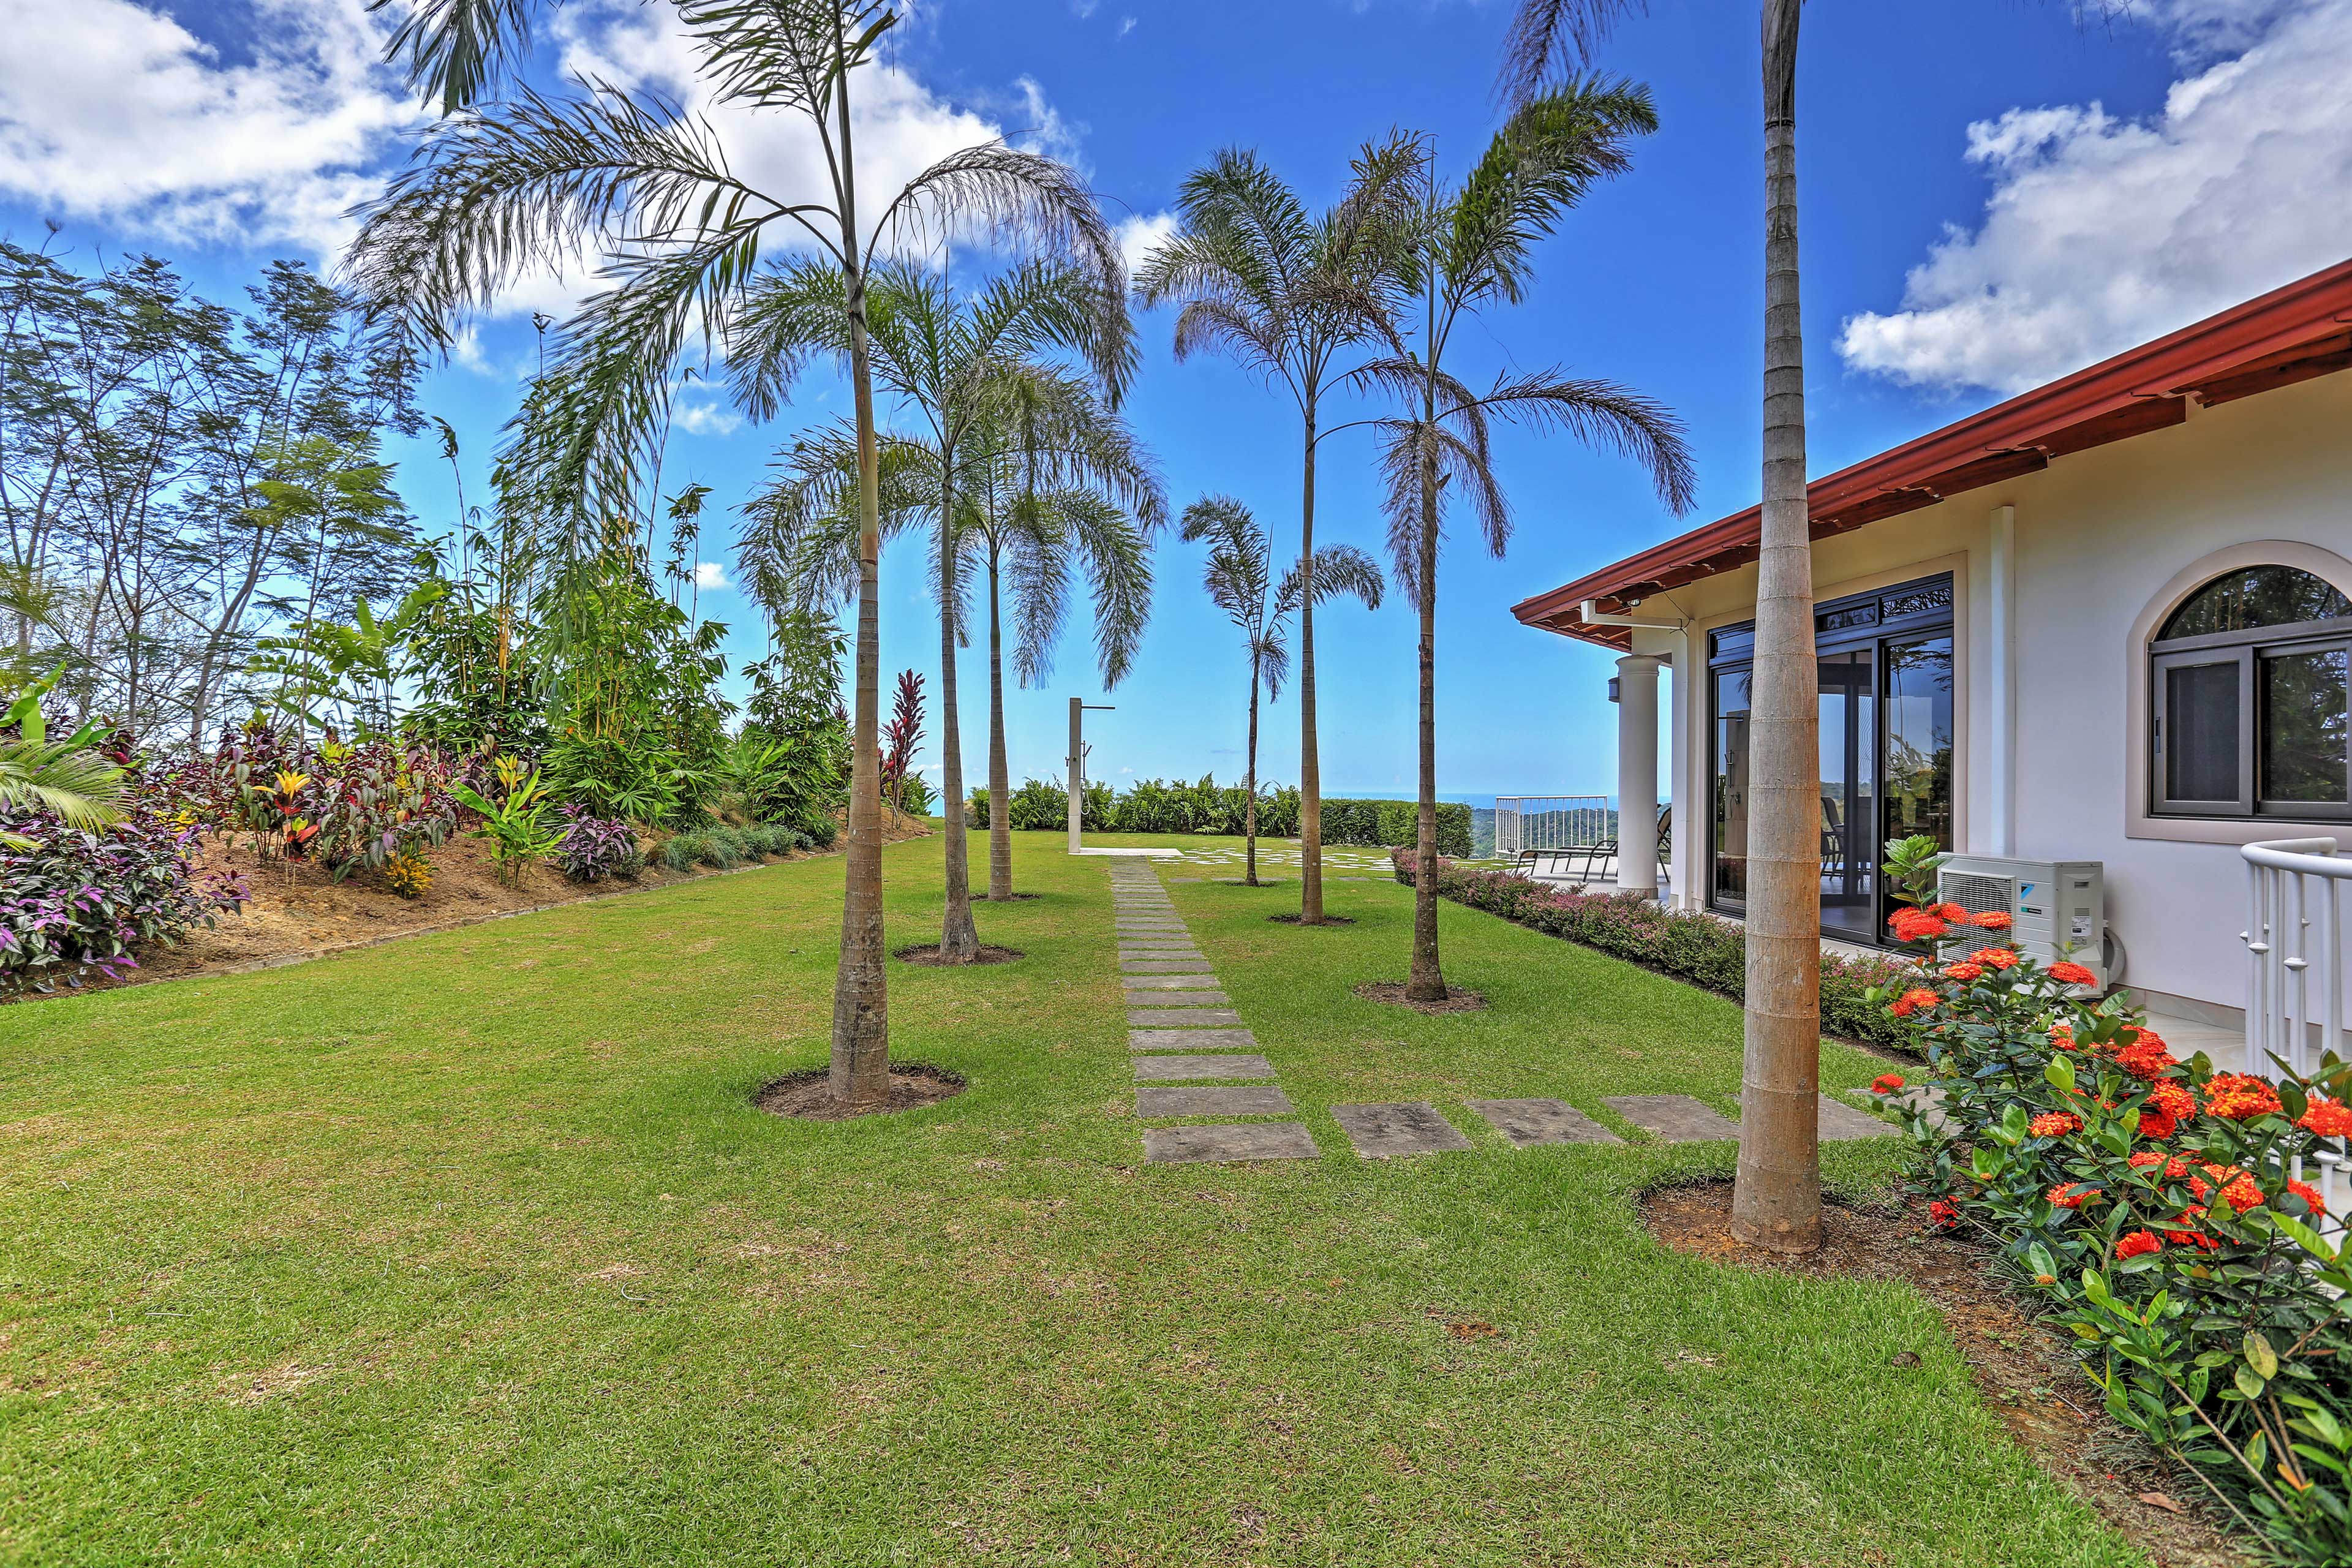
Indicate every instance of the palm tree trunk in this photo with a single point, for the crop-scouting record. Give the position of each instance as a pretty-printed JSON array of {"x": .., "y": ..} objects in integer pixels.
[
  {"x": 1000, "y": 778},
  {"x": 1249, "y": 785},
  {"x": 1426, "y": 981},
  {"x": 1776, "y": 1201},
  {"x": 1310, "y": 772},
  {"x": 860, "y": 1076},
  {"x": 959, "y": 940}
]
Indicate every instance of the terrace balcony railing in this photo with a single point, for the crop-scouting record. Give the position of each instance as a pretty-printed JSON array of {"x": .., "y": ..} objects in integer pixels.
[{"x": 2295, "y": 979}]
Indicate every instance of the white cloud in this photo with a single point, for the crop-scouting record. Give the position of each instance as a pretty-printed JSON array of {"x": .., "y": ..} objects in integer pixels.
[
  {"x": 710, "y": 574},
  {"x": 706, "y": 419},
  {"x": 2104, "y": 232},
  {"x": 1140, "y": 233},
  {"x": 114, "y": 113},
  {"x": 1125, "y": 26}
]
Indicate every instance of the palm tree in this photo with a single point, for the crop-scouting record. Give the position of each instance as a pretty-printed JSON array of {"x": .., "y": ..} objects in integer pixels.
[
  {"x": 1284, "y": 293},
  {"x": 941, "y": 354},
  {"x": 1776, "y": 1196},
  {"x": 494, "y": 189},
  {"x": 1062, "y": 484},
  {"x": 1238, "y": 572},
  {"x": 66, "y": 779},
  {"x": 1473, "y": 251}
]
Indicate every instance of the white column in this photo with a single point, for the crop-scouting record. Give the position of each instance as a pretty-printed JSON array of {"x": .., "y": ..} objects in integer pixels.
[
  {"x": 2000, "y": 710},
  {"x": 1687, "y": 799},
  {"x": 1637, "y": 773}
]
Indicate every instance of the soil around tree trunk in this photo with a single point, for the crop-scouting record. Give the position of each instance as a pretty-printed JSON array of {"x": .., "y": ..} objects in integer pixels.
[
  {"x": 928, "y": 956},
  {"x": 1294, "y": 920},
  {"x": 1458, "y": 998},
  {"x": 2021, "y": 1368},
  {"x": 808, "y": 1096}
]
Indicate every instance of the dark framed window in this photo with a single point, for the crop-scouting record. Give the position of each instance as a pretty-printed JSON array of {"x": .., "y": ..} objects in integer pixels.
[
  {"x": 2250, "y": 689},
  {"x": 1886, "y": 745}
]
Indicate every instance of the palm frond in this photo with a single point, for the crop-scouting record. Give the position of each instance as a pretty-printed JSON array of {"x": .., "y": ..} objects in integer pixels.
[
  {"x": 783, "y": 54},
  {"x": 79, "y": 787},
  {"x": 1339, "y": 569},
  {"x": 1550, "y": 36},
  {"x": 1605, "y": 415},
  {"x": 1554, "y": 148},
  {"x": 458, "y": 50},
  {"x": 789, "y": 313}
]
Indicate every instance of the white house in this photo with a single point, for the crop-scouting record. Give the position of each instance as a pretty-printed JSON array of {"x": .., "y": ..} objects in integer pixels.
[{"x": 2109, "y": 619}]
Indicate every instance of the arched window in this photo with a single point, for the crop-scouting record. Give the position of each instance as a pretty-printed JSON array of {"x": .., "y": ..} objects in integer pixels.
[{"x": 2253, "y": 705}]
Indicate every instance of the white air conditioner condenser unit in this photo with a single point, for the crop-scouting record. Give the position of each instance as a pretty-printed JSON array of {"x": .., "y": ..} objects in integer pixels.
[{"x": 2058, "y": 909}]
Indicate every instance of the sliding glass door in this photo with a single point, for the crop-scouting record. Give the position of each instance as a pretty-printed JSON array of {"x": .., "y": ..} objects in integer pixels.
[{"x": 1885, "y": 667}]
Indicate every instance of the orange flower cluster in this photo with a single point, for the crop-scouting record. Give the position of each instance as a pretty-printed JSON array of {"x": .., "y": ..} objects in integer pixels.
[
  {"x": 2136, "y": 1243},
  {"x": 2062, "y": 1035},
  {"x": 2071, "y": 1194},
  {"x": 1916, "y": 925},
  {"x": 1994, "y": 957},
  {"x": 2329, "y": 1118},
  {"x": 2067, "y": 973},
  {"x": 2145, "y": 1056},
  {"x": 1945, "y": 1212},
  {"x": 2191, "y": 1236},
  {"x": 1993, "y": 920},
  {"x": 2309, "y": 1194},
  {"x": 1964, "y": 972},
  {"x": 1918, "y": 999},
  {"x": 2055, "y": 1124},
  {"x": 2168, "y": 1105},
  {"x": 2176, "y": 1169},
  {"x": 1886, "y": 1083},
  {"x": 2240, "y": 1097}
]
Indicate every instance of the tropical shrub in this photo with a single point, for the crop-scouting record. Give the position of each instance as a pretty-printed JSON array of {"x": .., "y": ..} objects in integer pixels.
[
  {"x": 1704, "y": 949},
  {"x": 680, "y": 851},
  {"x": 798, "y": 778},
  {"x": 615, "y": 778},
  {"x": 75, "y": 901},
  {"x": 591, "y": 847},
  {"x": 348, "y": 808},
  {"x": 516, "y": 822},
  {"x": 2155, "y": 1209},
  {"x": 409, "y": 874}
]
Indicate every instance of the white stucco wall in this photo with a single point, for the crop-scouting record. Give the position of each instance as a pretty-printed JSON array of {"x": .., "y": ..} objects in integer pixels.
[{"x": 2105, "y": 540}]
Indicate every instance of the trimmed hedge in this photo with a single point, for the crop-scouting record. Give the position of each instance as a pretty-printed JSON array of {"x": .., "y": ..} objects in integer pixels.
[
  {"x": 1704, "y": 949},
  {"x": 1152, "y": 806}
]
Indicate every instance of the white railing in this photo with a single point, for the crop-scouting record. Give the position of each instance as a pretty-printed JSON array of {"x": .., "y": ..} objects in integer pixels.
[
  {"x": 1524, "y": 822},
  {"x": 2296, "y": 885}
]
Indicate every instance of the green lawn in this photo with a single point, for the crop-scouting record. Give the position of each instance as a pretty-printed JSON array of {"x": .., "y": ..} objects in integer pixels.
[{"x": 469, "y": 1249}]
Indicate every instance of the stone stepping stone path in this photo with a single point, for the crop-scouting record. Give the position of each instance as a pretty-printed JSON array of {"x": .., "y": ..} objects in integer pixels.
[
  {"x": 1385, "y": 1132},
  {"x": 1679, "y": 1119},
  {"x": 1528, "y": 1122},
  {"x": 1182, "y": 1028}
]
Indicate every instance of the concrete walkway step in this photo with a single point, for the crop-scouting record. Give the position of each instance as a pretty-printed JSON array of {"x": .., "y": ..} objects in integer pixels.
[
  {"x": 1213, "y": 1099},
  {"x": 1234, "y": 1039},
  {"x": 1841, "y": 1124},
  {"x": 1672, "y": 1118},
  {"x": 1193, "y": 980},
  {"x": 1185, "y": 1018},
  {"x": 1247, "y": 1141},
  {"x": 1163, "y": 966},
  {"x": 1528, "y": 1122},
  {"x": 1180, "y": 1069},
  {"x": 1385, "y": 1132},
  {"x": 1139, "y": 997}
]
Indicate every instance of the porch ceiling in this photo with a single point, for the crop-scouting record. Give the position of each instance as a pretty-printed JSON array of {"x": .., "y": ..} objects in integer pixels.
[{"x": 2291, "y": 334}]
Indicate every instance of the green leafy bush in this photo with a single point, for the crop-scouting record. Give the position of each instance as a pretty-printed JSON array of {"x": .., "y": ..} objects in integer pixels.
[
  {"x": 680, "y": 851},
  {"x": 1154, "y": 806},
  {"x": 1704, "y": 949}
]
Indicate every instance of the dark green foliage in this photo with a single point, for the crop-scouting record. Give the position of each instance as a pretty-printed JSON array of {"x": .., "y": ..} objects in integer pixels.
[
  {"x": 1701, "y": 948},
  {"x": 1153, "y": 805},
  {"x": 77, "y": 901}
]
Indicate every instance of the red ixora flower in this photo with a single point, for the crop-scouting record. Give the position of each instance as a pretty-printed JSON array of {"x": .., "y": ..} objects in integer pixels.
[
  {"x": 2145, "y": 1056},
  {"x": 2063, "y": 1036},
  {"x": 1916, "y": 925},
  {"x": 2238, "y": 1187},
  {"x": 2329, "y": 1118},
  {"x": 1951, "y": 912},
  {"x": 1994, "y": 957},
  {"x": 1993, "y": 920},
  {"x": 1912, "y": 1001},
  {"x": 2067, "y": 973},
  {"x": 2054, "y": 1124},
  {"x": 2136, "y": 1243},
  {"x": 1964, "y": 972},
  {"x": 2309, "y": 1194},
  {"x": 2071, "y": 1194},
  {"x": 1945, "y": 1212},
  {"x": 2240, "y": 1097},
  {"x": 1886, "y": 1083}
]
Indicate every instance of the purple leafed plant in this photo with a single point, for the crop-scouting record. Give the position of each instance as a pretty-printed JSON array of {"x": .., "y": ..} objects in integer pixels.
[
  {"x": 79, "y": 903},
  {"x": 596, "y": 846}
]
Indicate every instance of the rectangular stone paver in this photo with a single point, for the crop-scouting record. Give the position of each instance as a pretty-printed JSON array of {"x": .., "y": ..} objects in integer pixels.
[
  {"x": 1411, "y": 1127},
  {"x": 1190, "y": 1040},
  {"x": 1213, "y": 1099},
  {"x": 1163, "y": 966},
  {"x": 1673, "y": 1118},
  {"x": 1248, "y": 1141},
  {"x": 1841, "y": 1124},
  {"x": 1187, "y": 1019},
  {"x": 1528, "y": 1122},
  {"x": 1179, "y": 1000},
  {"x": 1172, "y": 982},
  {"x": 1178, "y": 1070}
]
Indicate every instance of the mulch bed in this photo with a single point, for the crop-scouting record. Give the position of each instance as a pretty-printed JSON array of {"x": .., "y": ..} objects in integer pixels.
[
  {"x": 928, "y": 956},
  {"x": 2025, "y": 1375},
  {"x": 809, "y": 1095},
  {"x": 1458, "y": 998},
  {"x": 1300, "y": 921}
]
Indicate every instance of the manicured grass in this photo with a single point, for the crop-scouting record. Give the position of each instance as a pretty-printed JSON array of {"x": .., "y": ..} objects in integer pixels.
[{"x": 470, "y": 1249}]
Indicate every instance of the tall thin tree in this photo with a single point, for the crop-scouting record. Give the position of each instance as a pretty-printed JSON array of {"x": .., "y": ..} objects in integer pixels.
[
  {"x": 1284, "y": 293},
  {"x": 494, "y": 189},
  {"x": 1474, "y": 250},
  {"x": 1776, "y": 1196},
  {"x": 1238, "y": 575}
]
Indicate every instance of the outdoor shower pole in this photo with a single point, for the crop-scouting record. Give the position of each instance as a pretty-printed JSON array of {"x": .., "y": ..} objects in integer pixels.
[{"x": 1078, "y": 754}]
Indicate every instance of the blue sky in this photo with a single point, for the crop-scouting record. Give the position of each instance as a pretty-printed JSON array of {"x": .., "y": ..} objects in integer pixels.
[{"x": 1993, "y": 194}]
